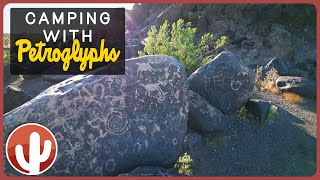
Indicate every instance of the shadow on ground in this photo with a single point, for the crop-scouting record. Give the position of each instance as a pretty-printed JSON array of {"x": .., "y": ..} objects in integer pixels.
[{"x": 280, "y": 148}]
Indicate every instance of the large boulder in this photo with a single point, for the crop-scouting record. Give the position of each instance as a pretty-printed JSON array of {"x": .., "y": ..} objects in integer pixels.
[
  {"x": 203, "y": 117},
  {"x": 225, "y": 82},
  {"x": 106, "y": 125},
  {"x": 170, "y": 14},
  {"x": 298, "y": 85},
  {"x": 14, "y": 97},
  {"x": 23, "y": 90},
  {"x": 283, "y": 67},
  {"x": 151, "y": 171}
]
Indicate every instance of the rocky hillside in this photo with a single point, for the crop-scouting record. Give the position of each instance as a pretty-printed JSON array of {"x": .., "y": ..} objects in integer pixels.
[{"x": 256, "y": 33}]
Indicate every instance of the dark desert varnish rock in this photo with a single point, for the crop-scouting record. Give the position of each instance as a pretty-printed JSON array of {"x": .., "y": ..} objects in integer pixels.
[
  {"x": 225, "y": 82},
  {"x": 203, "y": 117},
  {"x": 298, "y": 85},
  {"x": 105, "y": 125}
]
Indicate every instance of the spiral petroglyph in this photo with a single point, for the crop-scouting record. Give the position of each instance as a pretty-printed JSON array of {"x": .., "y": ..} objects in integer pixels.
[{"x": 117, "y": 122}]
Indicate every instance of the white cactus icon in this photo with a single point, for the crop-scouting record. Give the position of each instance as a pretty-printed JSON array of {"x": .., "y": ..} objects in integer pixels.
[{"x": 35, "y": 158}]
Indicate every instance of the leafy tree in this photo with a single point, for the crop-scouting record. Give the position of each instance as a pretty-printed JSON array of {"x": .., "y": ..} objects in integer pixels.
[{"x": 179, "y": 41}]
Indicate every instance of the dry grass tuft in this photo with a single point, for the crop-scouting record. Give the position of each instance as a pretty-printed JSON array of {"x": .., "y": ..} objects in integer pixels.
[
  {"x": 273, "y": 89},
  {"x": 269, "y": 82},
  {"x": 292, "y": 97}
]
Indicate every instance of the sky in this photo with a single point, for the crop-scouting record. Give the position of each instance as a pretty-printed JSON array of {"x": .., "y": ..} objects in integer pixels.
[{"x": 6, "y": 12}]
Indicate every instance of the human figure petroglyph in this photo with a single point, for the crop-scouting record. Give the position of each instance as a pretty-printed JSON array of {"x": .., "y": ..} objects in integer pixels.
[
  {"x": 71, "y": 152},
  {"x": 92, "y": 162},
  {"x": 155, "y": 129},
  {"x": 98, "y": 171},
  {"x": 102, "y": 90},
  {"x": 79, "y": 132},
  {"x": 137, "y": 147},
  {"x": 141, "y": 145},
  {"x": 94, "y": 144}
]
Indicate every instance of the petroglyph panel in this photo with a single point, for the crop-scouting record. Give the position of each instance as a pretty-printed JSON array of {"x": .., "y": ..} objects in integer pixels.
[
  {"x": 107, "y": 124},
  {"x": 225, "y": 82}
]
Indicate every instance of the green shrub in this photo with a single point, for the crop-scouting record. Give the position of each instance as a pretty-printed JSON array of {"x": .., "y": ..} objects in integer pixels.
[
  {"x": 179, "y": 41},
  {"x": 220, "y": 42},
  {"x": 6, "y": 46},
  {"x": 183, "y": 164},
  {"x": 6, "y": 55},
  {"x": 244, "y": 114}
]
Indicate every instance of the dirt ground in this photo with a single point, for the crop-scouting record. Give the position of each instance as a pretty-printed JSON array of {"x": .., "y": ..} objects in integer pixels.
[{"x": 284, "y": 147}]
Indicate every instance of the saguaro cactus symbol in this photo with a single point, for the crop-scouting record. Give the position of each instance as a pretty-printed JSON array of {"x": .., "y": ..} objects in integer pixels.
[{"x": 35, "y": 158}]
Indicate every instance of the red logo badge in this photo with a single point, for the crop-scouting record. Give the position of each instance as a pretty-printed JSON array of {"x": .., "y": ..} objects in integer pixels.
[{"x": 31, "y": 149}]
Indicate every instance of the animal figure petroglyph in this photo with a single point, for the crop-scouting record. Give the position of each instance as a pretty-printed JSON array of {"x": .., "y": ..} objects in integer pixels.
[
  {"x": 144, "y": 67},
  {"x": 154, "y": 87},
  {"x": 114, "y": 99}
]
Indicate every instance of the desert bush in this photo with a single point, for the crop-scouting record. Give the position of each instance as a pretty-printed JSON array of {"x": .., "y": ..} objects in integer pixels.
[
  {"x": 220, "y": 42},
  {"x": 183, "y": 164},
  {"x": 292, "y": 97},
  {"x": 258, "y": 78},
  {"x": 243, "y": 112},
  {"x": 179, "y": 40},
  {"x": 269, "y": 82}
]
